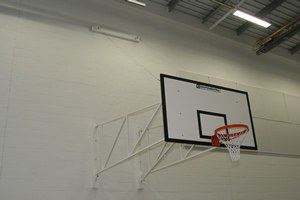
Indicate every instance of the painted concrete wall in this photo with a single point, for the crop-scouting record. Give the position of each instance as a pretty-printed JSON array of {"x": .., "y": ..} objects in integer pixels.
[{"x": 58, "y": 78}]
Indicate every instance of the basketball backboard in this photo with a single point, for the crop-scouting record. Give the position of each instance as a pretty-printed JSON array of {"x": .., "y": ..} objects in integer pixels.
[{"x": 193, "y": 110}]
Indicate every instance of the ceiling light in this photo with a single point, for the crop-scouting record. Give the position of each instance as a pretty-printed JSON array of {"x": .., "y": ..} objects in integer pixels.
[
  {"x": 137, "y": 2},
  {"x": 251, "y": 18},
  {"x": 115, "y": 33}
]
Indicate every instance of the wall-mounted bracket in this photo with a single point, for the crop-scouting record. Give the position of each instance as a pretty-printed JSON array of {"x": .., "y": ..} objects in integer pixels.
[{"x": 137, "y": 149}]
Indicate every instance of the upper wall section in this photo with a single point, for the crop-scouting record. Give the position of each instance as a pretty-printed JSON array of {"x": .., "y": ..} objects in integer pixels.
[{"x": 166, "y": 44}]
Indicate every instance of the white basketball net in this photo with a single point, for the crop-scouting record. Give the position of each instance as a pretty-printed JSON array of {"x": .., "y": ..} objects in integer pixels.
[{"x": 233, "y": 140}]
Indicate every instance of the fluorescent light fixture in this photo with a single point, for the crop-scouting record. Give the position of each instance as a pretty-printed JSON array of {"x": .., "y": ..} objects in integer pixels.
[
  {"x": 251, "y": 18},
  {"x": 137, "y": 2},
  {"x": 115, "y": 33}
]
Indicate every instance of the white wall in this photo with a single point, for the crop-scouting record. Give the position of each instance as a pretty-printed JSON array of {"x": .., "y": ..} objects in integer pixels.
[{"x": 57, "y": 78}]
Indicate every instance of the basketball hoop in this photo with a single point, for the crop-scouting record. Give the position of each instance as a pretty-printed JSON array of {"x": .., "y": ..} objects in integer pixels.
[{"x": 231, "y": 136}]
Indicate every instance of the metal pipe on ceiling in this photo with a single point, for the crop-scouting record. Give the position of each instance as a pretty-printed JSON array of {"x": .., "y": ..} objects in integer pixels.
[
  {"x": 277, "y": 41},
  {"x": 282, "y": 28}
]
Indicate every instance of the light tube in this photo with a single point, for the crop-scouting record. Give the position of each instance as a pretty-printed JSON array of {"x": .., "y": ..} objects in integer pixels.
[
  {"x": 115, "y": 33},
  {"x": 251, "y": 18},
  {"x": 137, "y": 2}
]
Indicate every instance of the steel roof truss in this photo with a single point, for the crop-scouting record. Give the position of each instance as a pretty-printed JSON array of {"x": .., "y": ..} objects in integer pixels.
[
  {"x": 172, "y": 4},
  {"x": 282, "y": 38},
  {"x": 267, "y": 10},
  {"x": 295, "y": 49}
]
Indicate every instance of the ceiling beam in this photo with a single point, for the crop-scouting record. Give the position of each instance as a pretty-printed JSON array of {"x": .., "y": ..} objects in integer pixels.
[
  {"x": 295, "y": 49},
  {"x": 277, "y": 41},
  {"x": 213, "y": 12},
  {"x": 227, "y": 14},
  {"x": 172, "y": 4},
  {"x": 267, "y": 10}
]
